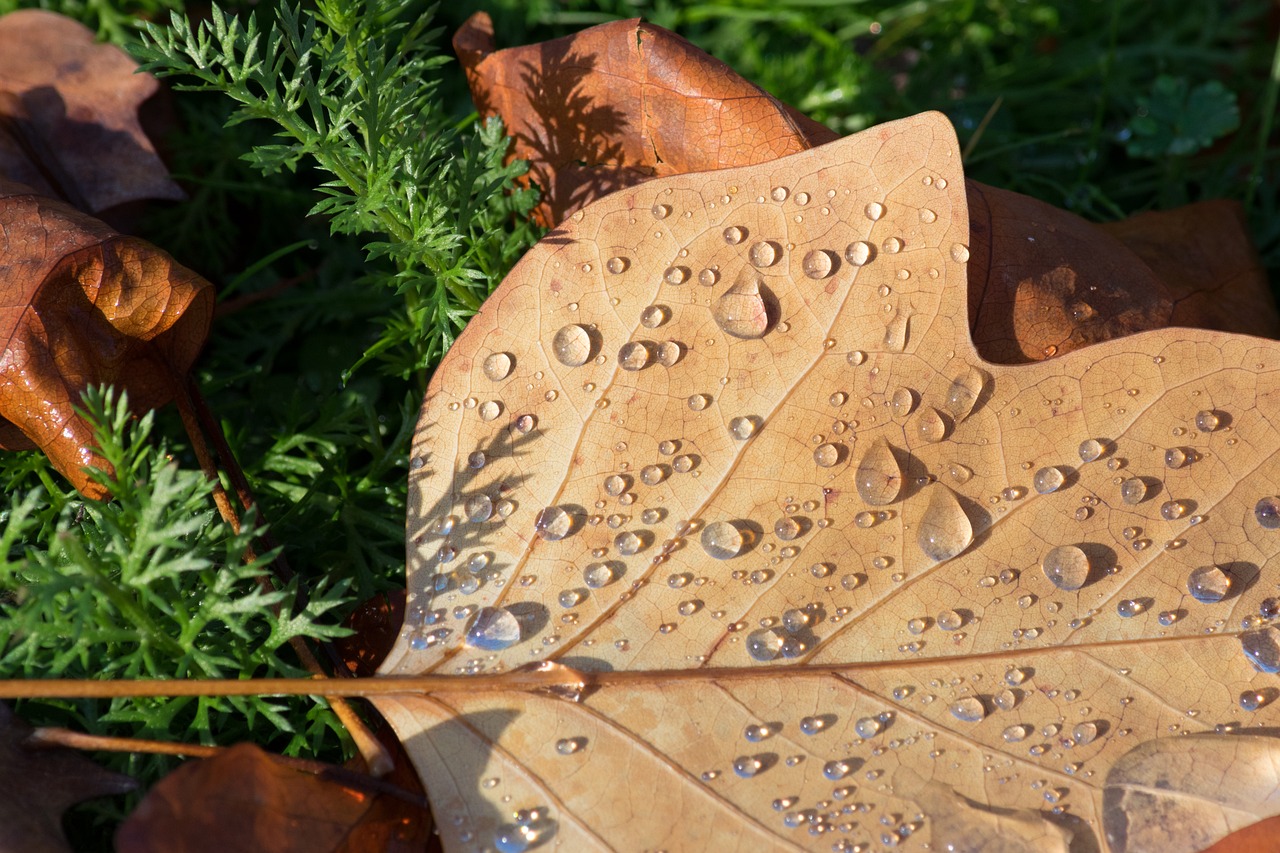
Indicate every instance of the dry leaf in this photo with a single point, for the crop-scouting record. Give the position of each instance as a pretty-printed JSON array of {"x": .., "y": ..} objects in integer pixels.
[
  {"x": 69, "y": 115},
  {"x": 1255, "y": 838},
  {"x": 39, "y": 784},
  {"x": 81, "y": 305},
  {"x": 614, "y": 105},
  {"x": 724, "y": 441},
  {"x": 242, "y": 799}
]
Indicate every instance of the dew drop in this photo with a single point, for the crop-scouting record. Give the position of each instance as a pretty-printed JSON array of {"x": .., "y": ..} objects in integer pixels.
[
  {"x": 634, "y": 355},
  {"x": 867, "y": 727},
  {"x": 660, "y": 211},
  {"x": 492, "y": 629},
  {"x": 763, "y": 253},
  {"x": 1252, "y": 700},
  {"x": 553, "y": 523},
  {"x": 826, "y": 455},
  {"x": 930, "y": 425},
  {"x": 617, "y": 265},
  {"x": 654, "y": 316},
  {"x": 742, "y": 428},
  {"x": 747, "y": 309},
  {"x": 597, "y": 575},
  {"x": 963, "y": 394},
  {"x": 1014, "y": 734},
  {"x": 675, "y": 275},
  {"x": 747, "y": 766},
  {"x": 1262, "y": 648},
  {"x": 1047, "y": 480},
  {"x": 1207, "y": 420},
  {"x": 950, "y": 620},
  {"x": 945, "y": 529},
  {"x": 818, "y": 264},
  {"x": 836, "y": 770},
  {"x": 874, "y": 211},
  {"x": 572, "y": 346},
  {"x": 779, "y": 194},
  {"x": 903, "y": 402},
  {"x": 498, "y": 366},
  {"x": 855, "y": 357},
  {"x": 892, "y": 245},
  {"x": 1129, "y": 607},
  {"x": 698, "y": 402},
  {"x": 959, "y": 253},
  {"x": 722, "y": 540},
  {"x": 897, "y": 331},
  {"x": 478, "y": 508},
  {"x": 764, "y": 644},
  {"x": 1133, "y": 490},
  {"x": 489, "y": 410},
  {"x": 1066, "y": 567},
  {"x": 1208, "y": 584},
  {"x": 968, "y": 710},
  {"x": 733, "y": 235},
  {"x": 859, "y": 253},
  {"x": 1175, "y": 457},
  {"x": 1267, "y": 512},
  {"x": 879, "y": 477},
  {"x": 1090, "y": 450}
]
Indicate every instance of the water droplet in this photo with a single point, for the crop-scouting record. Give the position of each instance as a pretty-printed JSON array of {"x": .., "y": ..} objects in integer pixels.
[
  {"x": 968, "y": 710},
  {"x": 1208, "y": 584},
  {"x": 525, "y": 424},
  {"x": 1267, "y": 512},
  {"x": 1015, "y": 733},
  {"x": 1133, "y": 490},
  {"x": 654, "y": 316},
  {"x": 838, "y": 398},
  {"x": 859, "y": 253},
  {"x": 892, "y": 245},
  {"x": 818, "y": 264},
  {"x": 1067, "y": 567},
  {"x": 826, "y": 455},
  {"x": 764, "y": 644},
  {"x": 1207, "y": 420},
  {"x": 698, "y": 402},
  {"x": 1129, "y": 607},
  {"x": 763, "y": 253},
  {"x": 733, "y": 235},
  {"x": 747, "y": 766},
  {"x": 675, "y": 275},
  {"x": 1084, "y": 733},
  {"x": 945, "y": 529},
  {"x": 1091, "y": 449},
  {"x": 1175, "y": 457},
  {"x": 903, "y": 402},
  {"x": 855, "y": 357},
  {"x": 498, "y": 366},
  {"x": 950, "y": 620},
  {"x": 628, "y": 543},
  {"x": 836, "y": 770},
  {"x": 931, "y": 426},
  {"x": 660, "y": 211},
  {"x": 1262, "y": 648},
  {"x": 553, "y": 523},
  {"x": 879, "y": 477},
  {"x": 573, "y": 346},
  {"x": 492, "y": 629},
  {"x": 489, "y": 410},
  {"x": 959, "y": 253},
  {"x": 742, "y": 427},
  {"x": 867, "y": 727},
  {"x": 1252, "y": 700},
  {"x": 897, "y": 331},
  {"x": 963, "y": 394},
  {"x": 1047, "y": 480},
  {"x": 779, "y": 194},
  {"x": 802, "y": 199},
  {"x": 874, "y": 211},
  {"x": 747, "y": 309},
  {"x": 634, "y": 355},
  {"x": 597, "y": 575},
  {"x": 616, "y": 265},
  {"x": 722, "y": 540},
  {"x": 478, "y": 508}
]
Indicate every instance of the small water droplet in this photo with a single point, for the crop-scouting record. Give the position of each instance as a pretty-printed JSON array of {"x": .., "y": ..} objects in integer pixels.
[
  {"x": 964, "y": 392},
  {"x": 812, "y": 725},
  {"x": 634, "y": 355},
  {"x": 660, "y": 211},
  {"x": 1133, "y": 490},
  {"x": 779, "y": 194},
  {"x": 826, "y": 455},
  {"x": 617, "y": 265},
  {"x": 1047, "y": 480},
  {"x": 722, "y": 540},
  {"x": 897, "y": 331},
  {"x": 959, "y": 253},
  {"x": 931, "y": 426},
  {"x": 968, "y": 710},
  {"x": 675, "y": 275},
  {"x": 1129, "y": 607},
  {"x": 478, "y": 508},
  {"x": 742, "y": 427},
  {"x": 1207, "y": 420},
  {"x": 950, "y": 620},
  {"x": 903, "y": 402},
  {"x": 498, "y": 366},
  {"x": 492, "y": 629},
  {"x": 892, "y": 245},
  {"x": 763, "y": 254},
  {"x": 1067, "y": 567},
  {"x": 764, "y": 644},
  {"x": 1015, "y": 733},
  {"x": 733, "y": 235},
  {"x": 874, "y": 211},
  {"x": 698, "y": 402},
  {"x": 1262, "y": 648},
  {"x": 859, "y": 253},
  {"x": 489, "y": 410},
  {"x": 1267, "y": 512},
  {"x": 1252, "y": 700},
  {"x": 1091, "y": 449}
]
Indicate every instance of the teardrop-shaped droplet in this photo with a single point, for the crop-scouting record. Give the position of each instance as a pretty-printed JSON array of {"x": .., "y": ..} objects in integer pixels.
[
  {"x": 492, "y": 629},
  {"x": 818, "y": 264},
  {"x": 1208, "y": 584},
  {"x": 763, "y": 254},
  {"x": 859, "y": 253},
  {"x": 1066, "y": 567},
  {"x": 746, "y": 310},
  {"x": 897, "y": 331},
  {"x": 572, "y": 345},
  {"x": 930, "y": 425},
  {"x": 553, "y": 523},
  {"x": 634, "y": 355},
  {"x": 902, "y": 402},
  {"x": 498, "y": 366},
  {"x": 959, "y": 253},
  {"x": 945, "y": 529},
  {"x": 1048, "y": 480},
  {"x": 722, "y": 540},
  {"x": 879, "y": 477},
  {"x": 963, "y": 394}
]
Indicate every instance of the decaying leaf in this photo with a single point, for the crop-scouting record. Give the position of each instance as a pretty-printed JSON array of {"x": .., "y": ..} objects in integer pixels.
[
  {"x": 241, "y": 799},
  {"x": 81, "y": 304},
  {"x": 723, "y": 442},
  {"x": 69, "y": 115},
  {"x": 39, "y": 784},
  {"x": 615, "y": 105}
]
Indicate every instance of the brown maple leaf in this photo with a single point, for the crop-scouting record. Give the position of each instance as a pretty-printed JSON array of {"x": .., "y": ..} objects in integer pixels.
[{"x": 80, "y": 305}]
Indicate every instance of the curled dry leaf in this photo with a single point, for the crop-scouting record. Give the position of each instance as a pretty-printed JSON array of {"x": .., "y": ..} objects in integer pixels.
[
  {"x": 39, "y": 784},
  {"x": 723, "y": 442},
  {"x": 81, "y": 305},
  {"x": 615, "y": 105},
  {"x": 69, "y": 115}
]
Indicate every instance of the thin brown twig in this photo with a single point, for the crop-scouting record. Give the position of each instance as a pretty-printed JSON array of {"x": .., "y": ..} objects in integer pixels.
[{"x": 47, "y": 737}]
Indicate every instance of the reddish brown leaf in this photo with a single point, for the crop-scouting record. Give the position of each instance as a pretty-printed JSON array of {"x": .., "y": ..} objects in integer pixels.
[
  {"x": 243, "y": 799},
  {"x": 393, "y": 825},
  {"x": 619, "y": 104},
  {"x": 40, "y": 784},
  {"x": 68, "y": 115},
  {"x": 80, "y": 305},
  {"x": 375, "y": 625},
  {"x": 1261, "y": 837}
]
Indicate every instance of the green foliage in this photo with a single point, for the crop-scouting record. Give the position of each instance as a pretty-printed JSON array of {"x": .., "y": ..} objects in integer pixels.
[
  {"x": 351, "y": 88},
  {"x": 1176, "y": 120},
  {"x": 152, "y": 584}
]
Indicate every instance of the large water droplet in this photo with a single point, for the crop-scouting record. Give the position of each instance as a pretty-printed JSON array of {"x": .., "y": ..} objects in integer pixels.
[
  {"x": 930, "y": 425},
  {"x": 1262, "y": 648},
  {"x": 902, "y": 402},
  {"x": 553, "y": 523},
  {"x": 478, "y": 508},
  {"x": 498, "y": 366},
  {"x": 573, "y": 346},
  {"x": 616, "y": 265},
  {"x": 634, "y": 355},
  {"x": 874, "y": 211},
  {"x": 1085, "y": 733},
  {"x": 968, "y": 710},
  {"x": 879, "y": 477},
  {"x": 859, "y": 253},
  {"x": 963, "y": 394},
  {"x": 492, "y": 629},
  {"x": 1208, "y": 584},
  {"x": 945, "y": 529},
  {"x": 742, "y": 428},
  {"x": 764, "y": 644},
  {"x": 654, "y": 316},
  {"x": 826, "y": 455},
  {"x": 1047, "y": 480},
  {"x": 763, "y": 254},
  {"x": 897, "y": 331},
  {"x": 733, "y": 235},
  {"x": 747, "y": 766},
  {"x": 1267, "y": 512},
  {"x": 1133, "y": 490},
  {"x": 597, "y": 575},
  {"x": 746, "y": 310},
  {"x": 818, "y": 264},
  {"x": 722, "y": 540},
  {"x": 676, "y": 275},
  {"x": 1067, "y": 567},
  {"x": 1207, "y": 420},
  {"x": 1090, "y": 450}
]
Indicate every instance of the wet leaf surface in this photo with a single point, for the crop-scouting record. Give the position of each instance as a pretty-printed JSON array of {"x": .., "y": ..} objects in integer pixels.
[
  {"x": 79, "y": 305},
  {"x": 69, "y": 115},
  {"x": 616, "y": 105},
  {"x": 836, "y": 577},
  {"x": 40, "y": 784}
]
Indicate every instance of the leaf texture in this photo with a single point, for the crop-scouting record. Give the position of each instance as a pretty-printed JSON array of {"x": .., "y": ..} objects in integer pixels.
[{"x": 723, "y": 442}]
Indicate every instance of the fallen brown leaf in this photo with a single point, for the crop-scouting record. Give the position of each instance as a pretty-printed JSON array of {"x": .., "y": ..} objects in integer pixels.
[
  {"x": 69, "y": 115},
  {"x": 724, "y": 440},
  {"x": 618, "y": 104},
  {"x": 242, "y": 799},
  {"x": 81, "y": 304},
  {"x": 40, "y": 784}
]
